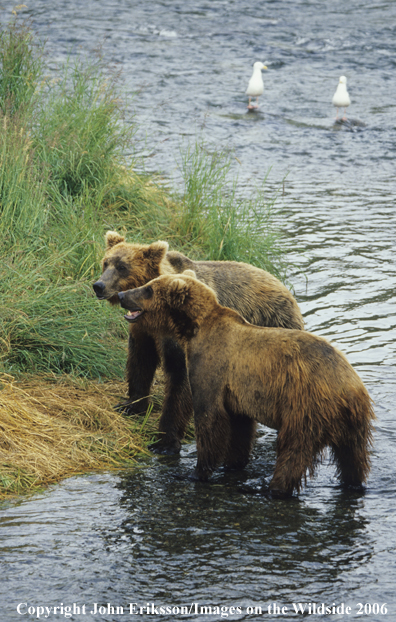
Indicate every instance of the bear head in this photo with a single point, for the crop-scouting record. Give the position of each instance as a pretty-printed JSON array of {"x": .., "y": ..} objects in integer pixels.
[
  {"x": 170, "y": 305},
  {"x": 126, "y": 266}
]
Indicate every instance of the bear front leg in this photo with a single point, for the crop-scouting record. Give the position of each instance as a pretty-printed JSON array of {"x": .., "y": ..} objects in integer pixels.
[
  {"x": 242, "y": 435},
  {"x": 212, "y": 432},
  {"x": 177, "y": 408},
  {"x": 142, "y": 362}
]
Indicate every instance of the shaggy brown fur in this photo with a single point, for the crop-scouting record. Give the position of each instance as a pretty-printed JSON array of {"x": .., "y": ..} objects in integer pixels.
[
  {"x": 255, "y": 294},
  {"x": 289, "y": 380}
]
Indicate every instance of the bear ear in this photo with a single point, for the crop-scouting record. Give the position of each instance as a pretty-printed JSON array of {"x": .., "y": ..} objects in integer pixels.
[
  {"x": 177, "y": 293},
  {"x": 190, "y": 273},
  {"x": 156, "y": 251},
  {"x": 112, "y": 238}
]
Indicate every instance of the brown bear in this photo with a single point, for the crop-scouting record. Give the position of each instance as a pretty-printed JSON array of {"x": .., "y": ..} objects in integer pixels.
[
  {"x": 257, "y": 295},
  {"x": 290, "y": 380}
]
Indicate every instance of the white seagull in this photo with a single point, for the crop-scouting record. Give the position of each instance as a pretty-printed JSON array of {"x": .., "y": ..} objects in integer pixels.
[
  {"x": 256, "y": 85},
  {"x": 341, "y": 98}
]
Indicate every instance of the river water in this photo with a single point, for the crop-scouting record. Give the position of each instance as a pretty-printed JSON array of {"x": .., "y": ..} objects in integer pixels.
[{"x": 144, "y": 537}]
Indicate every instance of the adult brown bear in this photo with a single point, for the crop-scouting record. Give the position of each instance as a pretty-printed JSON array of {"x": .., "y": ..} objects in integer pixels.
[
  {"x": 257, "y": 295},
  {"x": 290, "y": 380}
]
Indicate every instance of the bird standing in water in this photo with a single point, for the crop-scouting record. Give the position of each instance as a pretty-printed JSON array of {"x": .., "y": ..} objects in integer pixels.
[
  {"x": 341, "y": 97},
  {"x": 256, "y": 85}
]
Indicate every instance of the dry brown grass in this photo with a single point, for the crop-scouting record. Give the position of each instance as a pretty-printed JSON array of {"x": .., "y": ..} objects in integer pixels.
[{"x": 51, "y": 430}]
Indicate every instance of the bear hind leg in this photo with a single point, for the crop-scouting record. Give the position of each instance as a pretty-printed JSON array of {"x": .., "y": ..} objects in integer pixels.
[
  {"x": 296, "y": 456},
  {"x": 353, "y": 464},
  {"x": 351, "y": 452}
]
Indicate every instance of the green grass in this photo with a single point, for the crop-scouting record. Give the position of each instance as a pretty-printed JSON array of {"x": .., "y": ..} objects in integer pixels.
[
  {"x": 64, "y": 181},
  {"x": 21, "y": 68}
]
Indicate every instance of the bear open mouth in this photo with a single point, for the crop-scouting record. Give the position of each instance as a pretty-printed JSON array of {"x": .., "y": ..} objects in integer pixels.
[{"x": 132, "y": 316}]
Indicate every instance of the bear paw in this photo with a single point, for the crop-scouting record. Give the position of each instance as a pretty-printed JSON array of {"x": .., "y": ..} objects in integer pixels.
[
  {"x": 132, "y": 408},
  {"x": 167, "y": 447}
]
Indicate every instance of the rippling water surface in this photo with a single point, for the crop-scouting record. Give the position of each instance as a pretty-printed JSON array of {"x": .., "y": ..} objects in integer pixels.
[{"x": 145, "y": 536}]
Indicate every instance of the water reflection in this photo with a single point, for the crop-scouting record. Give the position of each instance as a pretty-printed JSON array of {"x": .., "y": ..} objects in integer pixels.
[
  {"x": 213, "y": 536},
  {"x": 146, "y": 535}
]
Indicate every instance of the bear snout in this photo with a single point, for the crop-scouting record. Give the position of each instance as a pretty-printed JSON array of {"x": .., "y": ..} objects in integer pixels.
[
  {"x": 126, "y": 302},
  {"x": 99, "y": 289},
  {"x": 129, "y": 298}
]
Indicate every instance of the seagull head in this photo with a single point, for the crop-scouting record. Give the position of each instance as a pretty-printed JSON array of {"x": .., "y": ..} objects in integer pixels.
[{"x": 259, "y": 65}]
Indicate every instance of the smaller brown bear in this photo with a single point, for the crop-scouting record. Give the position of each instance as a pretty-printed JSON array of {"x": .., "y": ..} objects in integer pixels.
[{"x": 290, "y": 380}]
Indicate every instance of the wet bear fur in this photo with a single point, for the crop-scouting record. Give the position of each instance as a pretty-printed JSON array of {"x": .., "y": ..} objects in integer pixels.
[
  {"x": 290, "y": 380},
  {"x": 257, "y": 295}
]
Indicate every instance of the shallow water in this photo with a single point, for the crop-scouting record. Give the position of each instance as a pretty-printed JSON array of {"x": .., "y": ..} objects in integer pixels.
[{"x": 146, "y": 536}]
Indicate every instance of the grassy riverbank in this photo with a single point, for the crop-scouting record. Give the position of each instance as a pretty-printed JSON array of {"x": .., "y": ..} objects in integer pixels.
[{"x": 64, "y": 181}]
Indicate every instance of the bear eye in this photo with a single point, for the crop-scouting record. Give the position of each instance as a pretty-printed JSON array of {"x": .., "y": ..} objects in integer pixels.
[
  {"x": 122, "y": 268},
  {"x": 148, "y": 292},
  {"x": 105, "y": 264}
]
